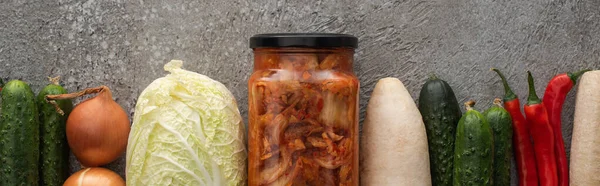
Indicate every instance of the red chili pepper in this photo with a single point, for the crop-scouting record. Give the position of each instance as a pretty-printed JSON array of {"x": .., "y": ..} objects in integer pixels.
[
  {"x": 524, "y": 155},
  {"x": 554, "y": 98},
  {"x": 543, "y": 136}
]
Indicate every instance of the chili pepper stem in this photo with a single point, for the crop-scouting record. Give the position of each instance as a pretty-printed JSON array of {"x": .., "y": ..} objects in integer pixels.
[
  {"x": 51, "y": 98},
  {"x": 532, "y": 98},
  {"x": 574, "y": 76},
  {"x": 508, "y": 93}
]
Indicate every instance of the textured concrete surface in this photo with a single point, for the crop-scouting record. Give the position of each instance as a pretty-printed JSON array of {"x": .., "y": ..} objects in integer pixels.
[{"x": 124, "y": 44}]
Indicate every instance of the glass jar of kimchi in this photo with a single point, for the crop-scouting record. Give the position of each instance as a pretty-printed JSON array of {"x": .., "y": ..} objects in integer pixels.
[{"x": 303, "y": 110}]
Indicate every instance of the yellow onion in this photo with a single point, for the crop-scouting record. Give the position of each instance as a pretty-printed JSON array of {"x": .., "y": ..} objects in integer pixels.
[
  {"x": 97, "y": 128},
  {"x": 93, "y": 177}
]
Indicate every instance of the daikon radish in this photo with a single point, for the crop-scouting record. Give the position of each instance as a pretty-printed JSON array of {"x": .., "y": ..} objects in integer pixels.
[
  {"x": 393, "y": 149},
  {"x": 585, "y": 143}
]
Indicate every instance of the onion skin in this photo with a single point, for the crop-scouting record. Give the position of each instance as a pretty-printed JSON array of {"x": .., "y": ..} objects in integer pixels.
[
  {"x": 97, "y": 130},
  {"x": 95, "y": 176}
]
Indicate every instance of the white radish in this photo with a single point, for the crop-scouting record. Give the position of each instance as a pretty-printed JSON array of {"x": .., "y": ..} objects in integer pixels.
[
  {"x": 393, "y": 149},
  {"x": 585, "y": 143}
]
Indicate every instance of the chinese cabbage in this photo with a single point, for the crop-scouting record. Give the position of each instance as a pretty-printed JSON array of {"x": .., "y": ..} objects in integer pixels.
[{"x": 187, "y": 130}]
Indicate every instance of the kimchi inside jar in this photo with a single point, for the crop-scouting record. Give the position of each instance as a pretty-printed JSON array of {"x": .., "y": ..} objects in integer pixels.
[{"x": 303, "y": 115}]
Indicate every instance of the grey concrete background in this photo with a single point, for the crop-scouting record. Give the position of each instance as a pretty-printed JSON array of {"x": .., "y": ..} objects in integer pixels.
[{"x": 124, "y": 44}]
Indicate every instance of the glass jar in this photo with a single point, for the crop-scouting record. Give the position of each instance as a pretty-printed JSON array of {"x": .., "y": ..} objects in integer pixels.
[{"x": 303, "y": 110}]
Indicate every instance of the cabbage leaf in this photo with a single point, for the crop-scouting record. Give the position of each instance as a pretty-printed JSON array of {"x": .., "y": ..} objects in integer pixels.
[{"x": 187, "y": 130}]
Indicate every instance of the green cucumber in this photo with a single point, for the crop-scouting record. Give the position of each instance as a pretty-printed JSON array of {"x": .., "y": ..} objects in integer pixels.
[
  {"x": 19, "y": 136},
  {"x": 54, "y": 149},
  {"x": 1, "y": 85},
  {"x": 441, "y": 112},
  {"x": 501, "y": 124},
  {"x": 473, "y": 150}
]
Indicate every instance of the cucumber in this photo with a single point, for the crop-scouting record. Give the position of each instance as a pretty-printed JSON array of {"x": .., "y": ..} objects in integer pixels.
[
  {"x": 54, "y": 149},
  {"x": 440, "y": 112},
  {"x": 1, "y": 85},
  {"x": 19, "y": 135},
  {"x": 473, "y": 150},
  {"x": 501, "y": 124}
]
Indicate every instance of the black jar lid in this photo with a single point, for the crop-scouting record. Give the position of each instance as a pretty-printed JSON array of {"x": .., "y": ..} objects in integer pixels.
[{"x": 303, "y": 40}]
